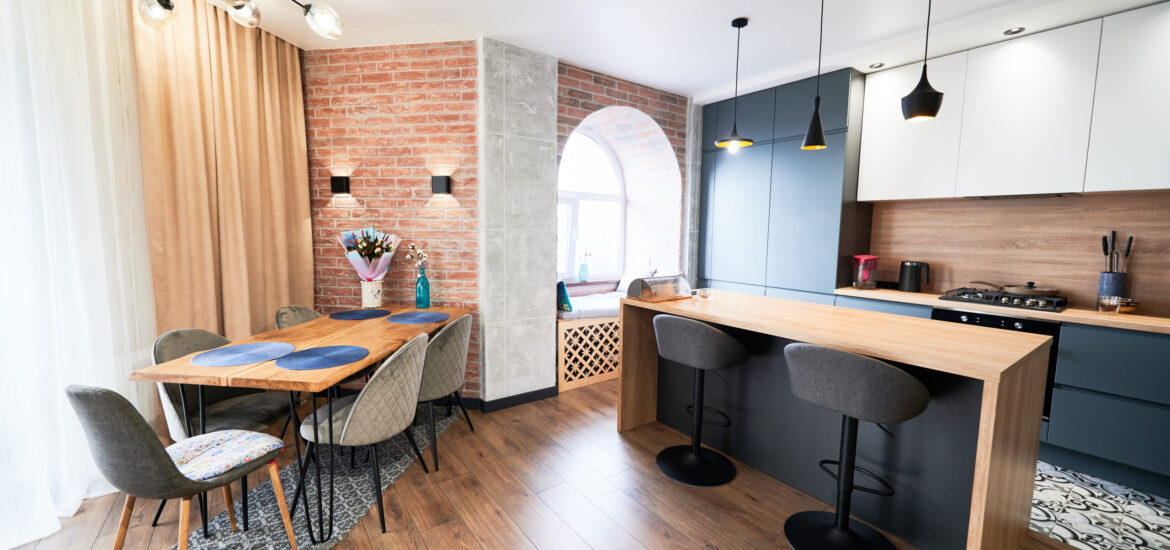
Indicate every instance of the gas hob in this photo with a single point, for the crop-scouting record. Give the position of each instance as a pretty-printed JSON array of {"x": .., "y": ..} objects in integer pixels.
[{"x": 1006, "y": 299}]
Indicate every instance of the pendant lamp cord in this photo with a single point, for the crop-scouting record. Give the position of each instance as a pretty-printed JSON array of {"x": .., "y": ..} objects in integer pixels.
[
  {"x": 926, "y": 48},
  {"x": 820, "y": 46},
  {"x": 735, "y": 112}
]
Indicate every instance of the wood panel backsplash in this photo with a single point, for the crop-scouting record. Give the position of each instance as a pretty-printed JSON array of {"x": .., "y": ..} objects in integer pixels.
[{"x": 1055, "y": 241}]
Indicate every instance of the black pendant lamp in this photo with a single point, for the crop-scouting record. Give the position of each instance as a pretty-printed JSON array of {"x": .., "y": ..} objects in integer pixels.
[
  {"x": 734, "y": 141},
  {"x": 923, "y": 102},
  {"x": 814, "y": 138}
]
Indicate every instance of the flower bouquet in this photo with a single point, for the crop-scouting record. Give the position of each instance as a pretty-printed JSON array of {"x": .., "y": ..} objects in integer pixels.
[{"x": 370, "y": 251}]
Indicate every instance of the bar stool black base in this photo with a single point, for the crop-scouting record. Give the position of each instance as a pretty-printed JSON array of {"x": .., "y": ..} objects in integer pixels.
[
  {"x": 818, "y": 531},
  {"x": 705, "y": 469}
]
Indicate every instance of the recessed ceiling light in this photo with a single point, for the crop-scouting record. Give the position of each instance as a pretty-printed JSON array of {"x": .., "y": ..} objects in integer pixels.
[
  {"x": 1013, "y": 31},
  {"x": 876, "y": 65}
]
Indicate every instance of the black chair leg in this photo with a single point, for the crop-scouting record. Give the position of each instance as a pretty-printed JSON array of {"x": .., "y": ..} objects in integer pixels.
[
  {"x": 434, "y": 439},
  {"x": 692, "y": 464},
  {"x": 378, "y": 488},
  {"x": 304, "y": 467},
  {"x": 410, "y": 439},
  {"x": 161, "y": 503},
  {"x": 352, "y": 464},
  {"x": 815, "y": 530},
  {"x": 466, "y": 416},
  {"x": 447, "y": 401},
  {"x": 244, "y": 499},
  {"x": 203, "y": 513}
]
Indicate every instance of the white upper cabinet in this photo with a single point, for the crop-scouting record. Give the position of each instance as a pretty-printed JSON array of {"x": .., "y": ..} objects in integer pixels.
[
  {"x": 1129, "y": 147},
  {"x": 904, "y": 160},
  {"x": 1027, "y": 111}
]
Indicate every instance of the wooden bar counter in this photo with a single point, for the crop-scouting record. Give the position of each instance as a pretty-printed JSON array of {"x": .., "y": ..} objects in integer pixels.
[{"x": 1010, "y": 368}]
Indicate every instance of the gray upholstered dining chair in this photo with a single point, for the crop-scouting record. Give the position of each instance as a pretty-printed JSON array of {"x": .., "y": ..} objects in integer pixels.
[
  {"x": 383, "y": 409},
  {"x": 131, "y": 457},
  {"x": 288, "y": 316},
  {"x": 443, "y": 374},
  {"x": 224, "y": 408}
]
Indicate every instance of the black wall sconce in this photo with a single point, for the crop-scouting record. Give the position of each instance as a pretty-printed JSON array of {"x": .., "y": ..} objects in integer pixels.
[
  {"x": 339, "y": 184},
  {"x": 440, "y": 185}
]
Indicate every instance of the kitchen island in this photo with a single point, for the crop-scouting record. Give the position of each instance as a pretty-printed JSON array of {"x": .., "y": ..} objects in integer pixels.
[{"x": 963, "y": 470}]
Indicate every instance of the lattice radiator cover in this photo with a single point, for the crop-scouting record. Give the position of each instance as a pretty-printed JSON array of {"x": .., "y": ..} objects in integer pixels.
[{"x": 588, "y": 351}]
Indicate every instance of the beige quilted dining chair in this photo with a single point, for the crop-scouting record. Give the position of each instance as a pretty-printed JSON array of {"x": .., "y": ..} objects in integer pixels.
[{"x": 443, "y": 374}]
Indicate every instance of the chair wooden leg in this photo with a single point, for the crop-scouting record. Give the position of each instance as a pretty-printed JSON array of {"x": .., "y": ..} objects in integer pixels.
[
  {"x": 230, "y": 505},
  {"x": 184, "y": 521},
  {"x": 274, "y": 473},
  {"x": 124, "y": 523}
]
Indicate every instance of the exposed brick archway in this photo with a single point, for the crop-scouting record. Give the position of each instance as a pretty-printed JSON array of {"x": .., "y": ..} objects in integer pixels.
[
  {"x": 647, "y": 130},
  {"x": 653, "y": 185}
]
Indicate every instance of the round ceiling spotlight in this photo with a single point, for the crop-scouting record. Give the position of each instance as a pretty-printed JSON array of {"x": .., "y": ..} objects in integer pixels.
[
  {"x": 157, "y": 13},
  {"x": 323, "y": 20},
  {"x": 877, "y": 65},
  {"x": 247, "y": 14},
  {"x": 1014, "y": 31}
]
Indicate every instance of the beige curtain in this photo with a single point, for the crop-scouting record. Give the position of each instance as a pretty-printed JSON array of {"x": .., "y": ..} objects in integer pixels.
[{"x": 225, "y": 172}]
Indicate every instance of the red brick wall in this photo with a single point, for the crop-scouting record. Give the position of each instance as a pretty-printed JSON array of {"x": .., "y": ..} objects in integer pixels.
[
  {"x": 391, "y": 115},
  {"x": 580, "y": 92}
]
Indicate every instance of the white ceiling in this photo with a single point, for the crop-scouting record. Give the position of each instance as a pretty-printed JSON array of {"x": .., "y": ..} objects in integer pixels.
[{"x": 688, "y": 46}]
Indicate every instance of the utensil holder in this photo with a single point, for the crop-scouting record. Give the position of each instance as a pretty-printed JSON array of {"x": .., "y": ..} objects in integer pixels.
[{"x": 1111, "y": 284}]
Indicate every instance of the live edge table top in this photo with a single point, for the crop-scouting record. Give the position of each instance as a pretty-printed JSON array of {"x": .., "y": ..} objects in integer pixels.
[{"x": 380, "y": 337}]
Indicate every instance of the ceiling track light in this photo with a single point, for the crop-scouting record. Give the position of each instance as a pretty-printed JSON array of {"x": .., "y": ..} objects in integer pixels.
[
  {"x": 814, "y": 138},
  {"x": 322, "y": 19},
  {"x": 734, "y": 142},
  {"x": 923, "y": 102},
  {"x": 1014, "y": 31}
]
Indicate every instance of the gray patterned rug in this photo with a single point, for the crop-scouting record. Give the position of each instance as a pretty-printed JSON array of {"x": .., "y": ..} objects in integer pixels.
[{"x": 354, "y": 494}]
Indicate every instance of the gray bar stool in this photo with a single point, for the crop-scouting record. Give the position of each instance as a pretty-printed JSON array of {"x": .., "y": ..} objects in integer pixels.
[
  {"x": 860, "y": 388},
  {"x": 703, "y": 348}
]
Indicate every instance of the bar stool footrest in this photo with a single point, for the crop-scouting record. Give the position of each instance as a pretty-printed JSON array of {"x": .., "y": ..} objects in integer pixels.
[
  {"x": 885, "y": 491},
  {"x": 724, "y": 421}
]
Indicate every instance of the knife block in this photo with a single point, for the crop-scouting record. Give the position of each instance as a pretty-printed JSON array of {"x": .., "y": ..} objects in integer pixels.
[{"x": 1112, "y": 283}]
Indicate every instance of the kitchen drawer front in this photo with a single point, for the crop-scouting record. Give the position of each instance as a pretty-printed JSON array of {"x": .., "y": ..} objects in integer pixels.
[
  {"x": 1120, "y": 362},
  {"x": 1114, "y": 428},
  {"x": 882, "y": 306}
]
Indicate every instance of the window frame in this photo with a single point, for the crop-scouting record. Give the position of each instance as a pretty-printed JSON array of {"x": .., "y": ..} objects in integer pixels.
[{"x": 573, "y": 198}]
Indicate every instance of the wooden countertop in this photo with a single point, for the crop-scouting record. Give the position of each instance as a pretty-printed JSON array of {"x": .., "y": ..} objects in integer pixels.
[
  {"x": 1084, "y": 316},
  {"x": 975, "y": 352}
]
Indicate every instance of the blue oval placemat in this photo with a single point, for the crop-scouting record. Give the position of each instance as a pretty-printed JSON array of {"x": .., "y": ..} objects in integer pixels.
[
  {"x": 418, "y": 318},
  {"x": 359, "y": 314},
  {"x": 242, "y": 354},
  {"x": 323, "y": 357}
]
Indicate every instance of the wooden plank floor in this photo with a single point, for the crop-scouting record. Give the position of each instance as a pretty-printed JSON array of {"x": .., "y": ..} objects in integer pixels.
[{"x": 553, "y": 474}]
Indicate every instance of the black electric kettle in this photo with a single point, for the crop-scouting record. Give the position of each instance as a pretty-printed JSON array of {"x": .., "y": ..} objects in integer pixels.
[{"x": 912, "y": 276}]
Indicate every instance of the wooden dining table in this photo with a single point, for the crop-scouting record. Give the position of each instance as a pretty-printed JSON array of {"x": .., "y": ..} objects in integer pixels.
[{"x": 381, "y": 337}]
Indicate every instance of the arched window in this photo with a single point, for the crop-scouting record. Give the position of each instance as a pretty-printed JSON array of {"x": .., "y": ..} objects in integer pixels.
[{"x": 591, "y": 211}]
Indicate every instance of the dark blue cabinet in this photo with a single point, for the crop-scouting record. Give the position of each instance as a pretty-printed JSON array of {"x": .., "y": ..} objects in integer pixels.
[
  {"x": 794, "y": 104},
  {"x": 738, "y": 224},
  {"x": 1126, "y": 431},
  {"x": 883, "y": 306},
  {"x": 756, "y": 111},
  {"x": 1125, "y": 363},
  {"x": 710, "y": 127},
  {"x": 774, "y": 215},
  {"x": 800, "y": 295},
  {"x": 804, "y": 224}
]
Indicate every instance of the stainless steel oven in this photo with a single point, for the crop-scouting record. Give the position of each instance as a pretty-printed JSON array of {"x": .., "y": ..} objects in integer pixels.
[{"x": 1033, "y": 326}]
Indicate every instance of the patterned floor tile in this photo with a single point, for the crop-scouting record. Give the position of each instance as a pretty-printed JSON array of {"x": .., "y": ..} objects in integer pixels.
[{"x": 1090, "y": 513}]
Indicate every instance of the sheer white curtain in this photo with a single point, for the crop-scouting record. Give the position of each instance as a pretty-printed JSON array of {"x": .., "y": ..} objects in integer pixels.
[{"x": 77, "y": 306}]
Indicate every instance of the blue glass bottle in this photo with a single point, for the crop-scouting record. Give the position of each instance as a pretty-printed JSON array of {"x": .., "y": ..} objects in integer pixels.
[{"x": 422, "y": 289}]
